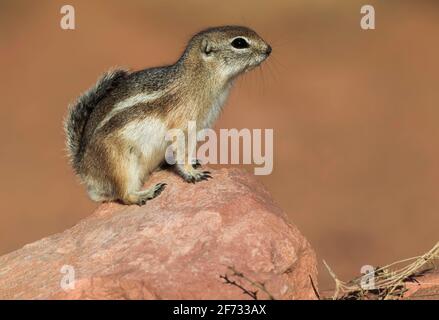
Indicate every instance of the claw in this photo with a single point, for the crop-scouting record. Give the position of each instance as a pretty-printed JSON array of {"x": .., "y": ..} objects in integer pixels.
[
  {"x": 193, "y": 176},
  {"x": 159, "y": 188},
  {"x": 196, "y": 164}
]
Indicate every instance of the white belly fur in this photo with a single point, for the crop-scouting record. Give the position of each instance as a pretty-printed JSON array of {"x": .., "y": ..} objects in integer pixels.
[{"x": 148, "y": 136}]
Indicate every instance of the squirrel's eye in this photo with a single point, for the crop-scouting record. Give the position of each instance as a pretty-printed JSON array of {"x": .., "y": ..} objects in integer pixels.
[{"x": 240, "y": 43}]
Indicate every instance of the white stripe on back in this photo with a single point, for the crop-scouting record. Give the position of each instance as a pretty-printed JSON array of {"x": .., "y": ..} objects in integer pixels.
[{"x": 128, "y": 103}]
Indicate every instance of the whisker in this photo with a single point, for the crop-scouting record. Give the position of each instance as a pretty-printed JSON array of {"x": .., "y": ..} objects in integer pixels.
[{"x": 271, "y": 72}]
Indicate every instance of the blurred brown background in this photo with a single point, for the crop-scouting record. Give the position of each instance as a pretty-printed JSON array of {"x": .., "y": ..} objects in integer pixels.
[{"x": 355, "y": 113}]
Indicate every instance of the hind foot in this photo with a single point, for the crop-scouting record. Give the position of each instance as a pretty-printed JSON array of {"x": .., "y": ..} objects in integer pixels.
[
  {"x": 141, "y": 197},
  {"x": 151, "y": 193}
]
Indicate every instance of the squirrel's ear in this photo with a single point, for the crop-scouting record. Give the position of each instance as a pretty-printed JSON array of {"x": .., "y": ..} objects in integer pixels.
[{"x": 206, "y": 47}]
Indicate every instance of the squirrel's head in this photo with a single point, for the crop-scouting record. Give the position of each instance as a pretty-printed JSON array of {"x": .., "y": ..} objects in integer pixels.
[{"x": 226, "y": 51}]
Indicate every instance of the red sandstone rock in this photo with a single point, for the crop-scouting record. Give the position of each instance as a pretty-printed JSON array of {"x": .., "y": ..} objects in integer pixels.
[
  {"x": 175, "y": 247},
  {"x": 425, "y": 287}
]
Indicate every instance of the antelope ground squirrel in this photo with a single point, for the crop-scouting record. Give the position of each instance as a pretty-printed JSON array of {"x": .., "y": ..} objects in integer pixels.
[{"x": 116, "y": 130}]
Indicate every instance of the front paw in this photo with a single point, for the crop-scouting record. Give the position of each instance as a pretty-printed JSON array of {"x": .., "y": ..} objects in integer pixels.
[{"x": 193, "y": 176}]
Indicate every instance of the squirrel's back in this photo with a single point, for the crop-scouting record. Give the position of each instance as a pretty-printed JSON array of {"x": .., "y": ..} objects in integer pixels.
[{"x": 80, "y": 111}]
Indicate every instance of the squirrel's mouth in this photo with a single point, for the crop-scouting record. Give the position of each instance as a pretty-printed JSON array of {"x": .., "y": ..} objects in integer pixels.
[{"x": 257, "y": 62}]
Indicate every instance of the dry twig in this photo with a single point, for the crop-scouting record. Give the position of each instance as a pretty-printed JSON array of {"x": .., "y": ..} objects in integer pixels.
[{"x": 389, "y": 284}]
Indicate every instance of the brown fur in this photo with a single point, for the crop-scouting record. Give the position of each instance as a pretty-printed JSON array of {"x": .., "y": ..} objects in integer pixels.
[{"x": 115, "y": 161}]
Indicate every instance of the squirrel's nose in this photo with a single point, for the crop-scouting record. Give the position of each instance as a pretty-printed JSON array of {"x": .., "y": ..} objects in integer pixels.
[{"x": 268, "y": 50}]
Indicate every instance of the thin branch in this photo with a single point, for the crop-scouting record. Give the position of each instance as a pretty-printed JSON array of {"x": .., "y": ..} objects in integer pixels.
[
  {"x": 259, "y": 285},
  {"x": 252, "y": 294},
  {"x": 316, "y": 292}
]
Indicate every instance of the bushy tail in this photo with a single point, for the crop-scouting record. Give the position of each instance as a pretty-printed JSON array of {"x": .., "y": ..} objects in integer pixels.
[{"x": 80, "y": 111}]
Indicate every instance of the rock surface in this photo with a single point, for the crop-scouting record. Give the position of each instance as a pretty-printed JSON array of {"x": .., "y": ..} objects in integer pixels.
[
  {"x": 426, "y": 287},
  {"x": 175, "y": 247}
]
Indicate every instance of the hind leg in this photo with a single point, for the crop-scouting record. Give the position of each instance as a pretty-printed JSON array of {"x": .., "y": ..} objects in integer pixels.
[
  {"x": 116, "y": 171},
  {"x": 130, "y": 178}
]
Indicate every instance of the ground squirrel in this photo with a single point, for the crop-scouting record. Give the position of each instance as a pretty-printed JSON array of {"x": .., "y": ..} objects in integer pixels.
[{"x": 116, "y": 130}]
